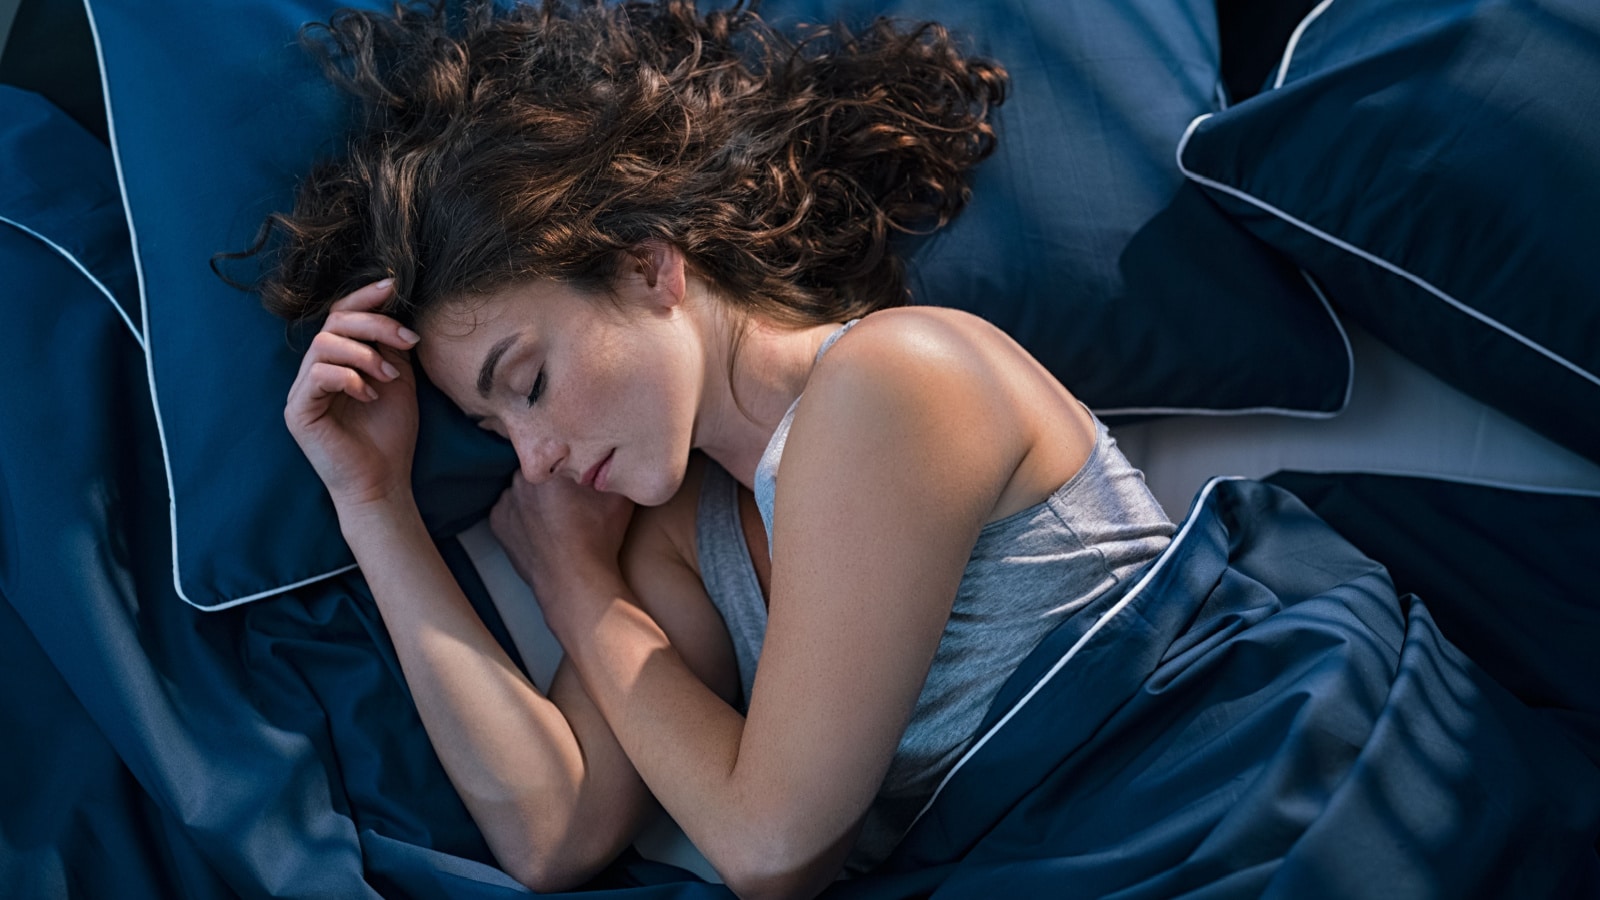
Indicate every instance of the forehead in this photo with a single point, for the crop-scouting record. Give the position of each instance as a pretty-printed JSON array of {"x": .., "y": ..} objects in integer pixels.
[
  {"x": 458, "y": 337},
  {"x": 462, "y": 325}
]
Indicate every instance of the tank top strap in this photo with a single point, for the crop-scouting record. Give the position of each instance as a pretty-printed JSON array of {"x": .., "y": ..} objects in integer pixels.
[{"x": 766, "y": 480}]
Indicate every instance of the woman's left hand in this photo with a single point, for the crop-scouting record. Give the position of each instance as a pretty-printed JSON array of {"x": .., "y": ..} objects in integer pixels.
[{"x": 559, "y": 531}]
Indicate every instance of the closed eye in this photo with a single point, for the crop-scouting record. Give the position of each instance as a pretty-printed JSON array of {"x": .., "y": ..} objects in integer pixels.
[{"x": 538, "y": 388}]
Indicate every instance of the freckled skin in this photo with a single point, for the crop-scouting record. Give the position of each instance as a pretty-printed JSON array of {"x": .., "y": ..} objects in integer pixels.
[
  {"x": 865, "y": 564},
  {"x": 615, "y": 379}
]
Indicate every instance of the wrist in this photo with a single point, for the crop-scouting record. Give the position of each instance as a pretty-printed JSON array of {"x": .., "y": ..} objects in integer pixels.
[
  {"x": 581, "y": 576},
  {"x": 578, "y": 595},
  {"x": 386, "y": 511}
]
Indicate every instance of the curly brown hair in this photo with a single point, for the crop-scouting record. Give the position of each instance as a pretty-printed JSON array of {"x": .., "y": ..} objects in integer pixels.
[{"x": 552, "y": 141}]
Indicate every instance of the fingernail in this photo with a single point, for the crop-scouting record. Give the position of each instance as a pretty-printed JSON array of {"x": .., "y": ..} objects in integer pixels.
[
  {"x": 390, "y": 370},
  {"x": 371, "y": 394},
  {"x": 384, "y": 284},
  {"x": 409, "y": 336}
]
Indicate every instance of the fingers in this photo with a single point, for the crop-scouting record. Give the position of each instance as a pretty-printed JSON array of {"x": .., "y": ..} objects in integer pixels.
[
  {"x": 352, "y": 316},
  {"x": 355, "y": 349},
  {"x": 367, "y": 297},
  {"x": 331, "y": 348},
  {"x": 325, "y": 379},
  {"x": 355, "y": 342},
  {"x": 502, "y": 519}
]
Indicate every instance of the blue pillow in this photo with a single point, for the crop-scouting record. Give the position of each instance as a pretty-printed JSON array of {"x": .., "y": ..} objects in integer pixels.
[
  {"x": 60, "y": 190},
  {"x": 1083, "y": 240},
  {"x": 214, "y": 113},
  {"x": 1436, "y": 167}
]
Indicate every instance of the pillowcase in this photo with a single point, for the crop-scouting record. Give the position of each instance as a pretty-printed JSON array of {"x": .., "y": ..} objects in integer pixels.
[
  {"x": 60, "y": 190},
  {"x": 1083, "y": 240},
  {"x": 1254, "y": 33},
  {"x": 215, "y": 112},
  {"x": 1433, "y": 166}
]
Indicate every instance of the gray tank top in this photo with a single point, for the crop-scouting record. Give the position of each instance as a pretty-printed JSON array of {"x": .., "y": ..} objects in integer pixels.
[{"x": 1028, "y": 572}]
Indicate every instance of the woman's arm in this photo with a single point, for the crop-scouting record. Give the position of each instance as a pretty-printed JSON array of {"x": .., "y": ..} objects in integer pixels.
[
  {"x": 543, "y": 777},
  {"x": 898, "y": 454}
]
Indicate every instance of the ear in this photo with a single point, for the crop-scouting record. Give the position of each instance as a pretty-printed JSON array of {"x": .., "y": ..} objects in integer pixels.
[{"x": 664, "y": 271}]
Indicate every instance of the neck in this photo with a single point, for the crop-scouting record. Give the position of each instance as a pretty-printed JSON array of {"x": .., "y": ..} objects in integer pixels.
[{"x": 739, "y": 414}]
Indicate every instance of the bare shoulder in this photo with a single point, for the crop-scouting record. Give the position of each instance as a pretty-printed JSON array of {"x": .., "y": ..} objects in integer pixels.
[
  {"x": 941, "y": 348},
  {"x": 920, "y": 339},
  {"x": 966, "y": 385},
  {"x": 922, "y": 360}
]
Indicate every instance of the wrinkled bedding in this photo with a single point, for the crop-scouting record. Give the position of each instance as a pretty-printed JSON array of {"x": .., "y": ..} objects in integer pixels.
[{"x": 1261, "y": 715}]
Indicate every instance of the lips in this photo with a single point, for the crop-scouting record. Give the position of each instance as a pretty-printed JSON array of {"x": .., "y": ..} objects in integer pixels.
[{"x": 588, "y": 479}]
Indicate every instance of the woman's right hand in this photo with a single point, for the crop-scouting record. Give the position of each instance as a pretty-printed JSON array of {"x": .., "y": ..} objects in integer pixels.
[{"x": 353, "y": 406}]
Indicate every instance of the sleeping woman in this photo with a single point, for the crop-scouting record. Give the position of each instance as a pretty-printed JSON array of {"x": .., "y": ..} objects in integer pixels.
[{"x": 792, "y": 534}]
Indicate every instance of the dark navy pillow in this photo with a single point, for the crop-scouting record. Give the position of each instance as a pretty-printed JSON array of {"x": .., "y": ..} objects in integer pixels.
[
  {"x": 1083, "y": 240},
  {"x": 1434, "y": 166},
  {"x": 214, "y": 113},
  {"x": 60, "y": 190}
]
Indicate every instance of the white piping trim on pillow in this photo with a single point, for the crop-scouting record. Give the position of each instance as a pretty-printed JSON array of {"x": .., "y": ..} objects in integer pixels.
[
  {"x": 1294, "y": 41},
  {"x": 1468, "y": 480},
  {"x": 1375, "y": 260},
  {"x": 235, "y": 601},
  {"x": 149, "y": 362},
  {"x": 1244, "y": 411},
  {"x": 1349, "y": 383},
  {"x": 121, "y": 313},
  {"x": 1349, "y": 351},
  {"x": 1106, "y": 617},
  {"x": 1344, "y": 336},
  {"x": 144, "y": 303}
]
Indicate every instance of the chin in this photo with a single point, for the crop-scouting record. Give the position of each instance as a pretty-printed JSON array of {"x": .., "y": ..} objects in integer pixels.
[
  {"x": 657, "y": 490},
  {"x": 649, "y": 497}
]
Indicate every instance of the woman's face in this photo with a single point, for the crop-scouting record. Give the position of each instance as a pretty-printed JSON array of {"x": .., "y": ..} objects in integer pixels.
[{"x": 605, "y": 394}]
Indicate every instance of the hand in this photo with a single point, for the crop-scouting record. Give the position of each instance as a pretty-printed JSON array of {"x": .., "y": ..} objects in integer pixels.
[
  {"x": 353, "y": 406},
  {"x": 558, "y": 531}
]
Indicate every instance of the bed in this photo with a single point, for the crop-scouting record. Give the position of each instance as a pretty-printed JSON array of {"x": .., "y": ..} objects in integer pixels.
[{"x": 1323, "y": 267}]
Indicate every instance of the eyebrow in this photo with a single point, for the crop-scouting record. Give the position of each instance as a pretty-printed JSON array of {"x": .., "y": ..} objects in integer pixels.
[{"x": 486, "y": 373}]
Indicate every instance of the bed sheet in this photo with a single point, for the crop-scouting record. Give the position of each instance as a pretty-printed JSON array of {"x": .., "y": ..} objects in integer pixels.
[
  {"x": 1261, "y": 715},
  {"x": 1509, "y": 575},
  {"x": 1264, "y": 715}
]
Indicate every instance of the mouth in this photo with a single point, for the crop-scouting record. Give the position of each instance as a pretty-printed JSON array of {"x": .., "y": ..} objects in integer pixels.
[{"x": 590, "y": 477}]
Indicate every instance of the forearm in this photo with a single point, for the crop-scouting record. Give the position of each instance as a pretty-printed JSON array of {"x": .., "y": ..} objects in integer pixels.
[
  {"x": 514, "y": 757},
  {"x": 686, "y": 741}
]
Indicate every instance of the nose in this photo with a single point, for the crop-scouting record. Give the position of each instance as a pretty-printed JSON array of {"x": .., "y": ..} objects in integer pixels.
[{"x": 540, "y": 458}]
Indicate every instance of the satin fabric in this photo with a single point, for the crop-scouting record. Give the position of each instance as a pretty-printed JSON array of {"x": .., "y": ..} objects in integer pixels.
[{"x": 1261, "y": 715}]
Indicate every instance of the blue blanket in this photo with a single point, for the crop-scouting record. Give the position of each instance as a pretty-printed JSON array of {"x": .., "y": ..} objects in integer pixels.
[{"x": 1261, "y": 715}]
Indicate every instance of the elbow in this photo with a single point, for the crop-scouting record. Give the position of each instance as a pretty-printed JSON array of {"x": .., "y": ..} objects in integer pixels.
[
  {"x": 553, "y": 859},
  {"x": 773, "y": 883},
  {"x": 761, "y": 870},
  {"x": 770, "y": 887},
  {"x": 549, "y": 841},
  {"x": 552, "y": 871}
]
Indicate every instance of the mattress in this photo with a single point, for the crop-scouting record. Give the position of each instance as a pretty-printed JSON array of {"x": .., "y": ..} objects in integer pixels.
[{"x": 1400, "y": 420}]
